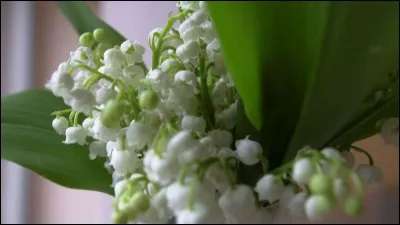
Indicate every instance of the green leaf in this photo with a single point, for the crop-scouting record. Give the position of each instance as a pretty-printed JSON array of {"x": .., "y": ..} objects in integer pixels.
[
  {"x": 368, "y": 125},
  {"x": 85, "y": 20},
  {"x": 360, "y": 46},
  {"x": 28, "y": 139},
  {"x": 306, "y": 68},
  {"x": 269, "y": 49}
]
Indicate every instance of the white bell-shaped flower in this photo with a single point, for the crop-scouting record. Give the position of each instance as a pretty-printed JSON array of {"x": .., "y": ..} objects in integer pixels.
[
  {"x": 63, "y": 67},
  {"x": 228, "y": 116},
  {"x": 180, "y": 142},
  {"x": 331, "y": 153},
  {"x": 261, "y": 216},
  {"x": 316, "y": 207},
  {"x": 82, "y": 101},
  {"x": 238, "y": 203},
  {"x": 226, "y": 152},
  {"x": 199, "y": 16},
  {"x": 249, "y": 152},
  {"x": 102, "y": 132},
  {"x": 303, "y": 170},
  {"x": 88, "y": 124},
  {"x": 130, "y": 47},
  {"x": 193, "y": 123},
  {"x": 124, "y": 161},
  {"x": 269, "y": 188},
  {"x": 194, "y": 5},
  {"x": 203, "y": 5},
  {"x": 103, "y": 94},
  {"x": 60, "y": 84},
  {"x": 287, "y": 196},
  {"x": 169, "y": 64},
  {"x": 75, "y": 135},
  {"x": 80, "y": 78},
  {"x": 221, "y": 138},
  {"x": 114, "y": 58},
  {"x": 199, "y": 215},
  {"x": 182, "y": 100},
  {"x": 158, "y": 79},
  {"x": 219, "y": 92},
  {"x": 113, "y": 72},
  {"x": 296, "y": 206},
  {"x": 177, "y": 196},
  {"x": 160, "y": 203},
  {"x": 189, "y": 30},
  {"x": 60, "y": 125},
  {"x": 97, "y": 148},
  {"x": 217, "y": 175},
  {"x": 188, "y": 50},
  {"x": 187, "y": 77},
  {"x": 340, "y": 188},
  {"x": 209, "y": 32},
  {"x": 82, "y": 55},
  {"x": 213, "y": 47},
  {"x": 139, "y": 135},
  {"x": 369, "y": 174},
  {"x": 390, "y": 131},
  {"x": 120, "y": 186},
  {"x": 163, "y": 170}
]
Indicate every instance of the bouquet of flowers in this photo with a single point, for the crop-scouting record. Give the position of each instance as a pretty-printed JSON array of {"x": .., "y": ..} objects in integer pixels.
[{"x": 231, "y": 123}]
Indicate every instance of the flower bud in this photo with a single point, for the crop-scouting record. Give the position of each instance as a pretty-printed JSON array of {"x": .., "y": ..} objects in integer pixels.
[
  {"x": 101, "y": 49},
  {"x": 303, "y": 170},
  {"x": 119, "y": 218},
  {"x": 248, "y": 151},
  {"x": 320, "y": 184},
  {"x": 354, "y": 206},
  {"x": 111, "y": 114},
  {"x": 60, "y": 125},
  {"x": 86, "y": 39},
  {"x": 148, "y": 100},
  {"x": 99, "y": 34}
]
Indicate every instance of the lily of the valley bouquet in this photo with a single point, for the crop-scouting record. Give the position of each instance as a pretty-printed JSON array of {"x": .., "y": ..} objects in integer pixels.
[{"x": 249, "y": 110}]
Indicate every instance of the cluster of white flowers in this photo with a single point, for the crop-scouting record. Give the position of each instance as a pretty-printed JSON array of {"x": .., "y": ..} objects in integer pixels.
[{"x": 167, "y": 133}]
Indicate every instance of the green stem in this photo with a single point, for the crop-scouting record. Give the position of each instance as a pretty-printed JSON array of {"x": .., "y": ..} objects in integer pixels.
[
  {"x": 182, "y": 174},
  {"x": 83, "y": 66},
  {"x": 144, "y": 67},
  {"x": 76, "y": 117},
  {"x": 61, "y": 112},
  {"x": 208, "y": 107},
  {"x": 71, "y": 118},
  {"x": 192, "y": 195},
  {"x": 171, "y": 21},
  {"x": 264, "y": 163},
  {"x": 371, "y": 161}
]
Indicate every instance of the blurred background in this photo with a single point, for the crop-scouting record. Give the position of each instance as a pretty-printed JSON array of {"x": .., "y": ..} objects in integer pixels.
[{"x": 35, "y": 38}]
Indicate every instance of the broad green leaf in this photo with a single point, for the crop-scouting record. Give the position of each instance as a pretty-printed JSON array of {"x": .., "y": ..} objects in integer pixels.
[
  {"x": 360, "y": 46},
  {"x": 310, "y": 65},
  {"x": 28, "y": 139},
  {"x": 269, "y": 49},
  {"x": 83, "y": 19},
  {"x": 368, "y": 125}
]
